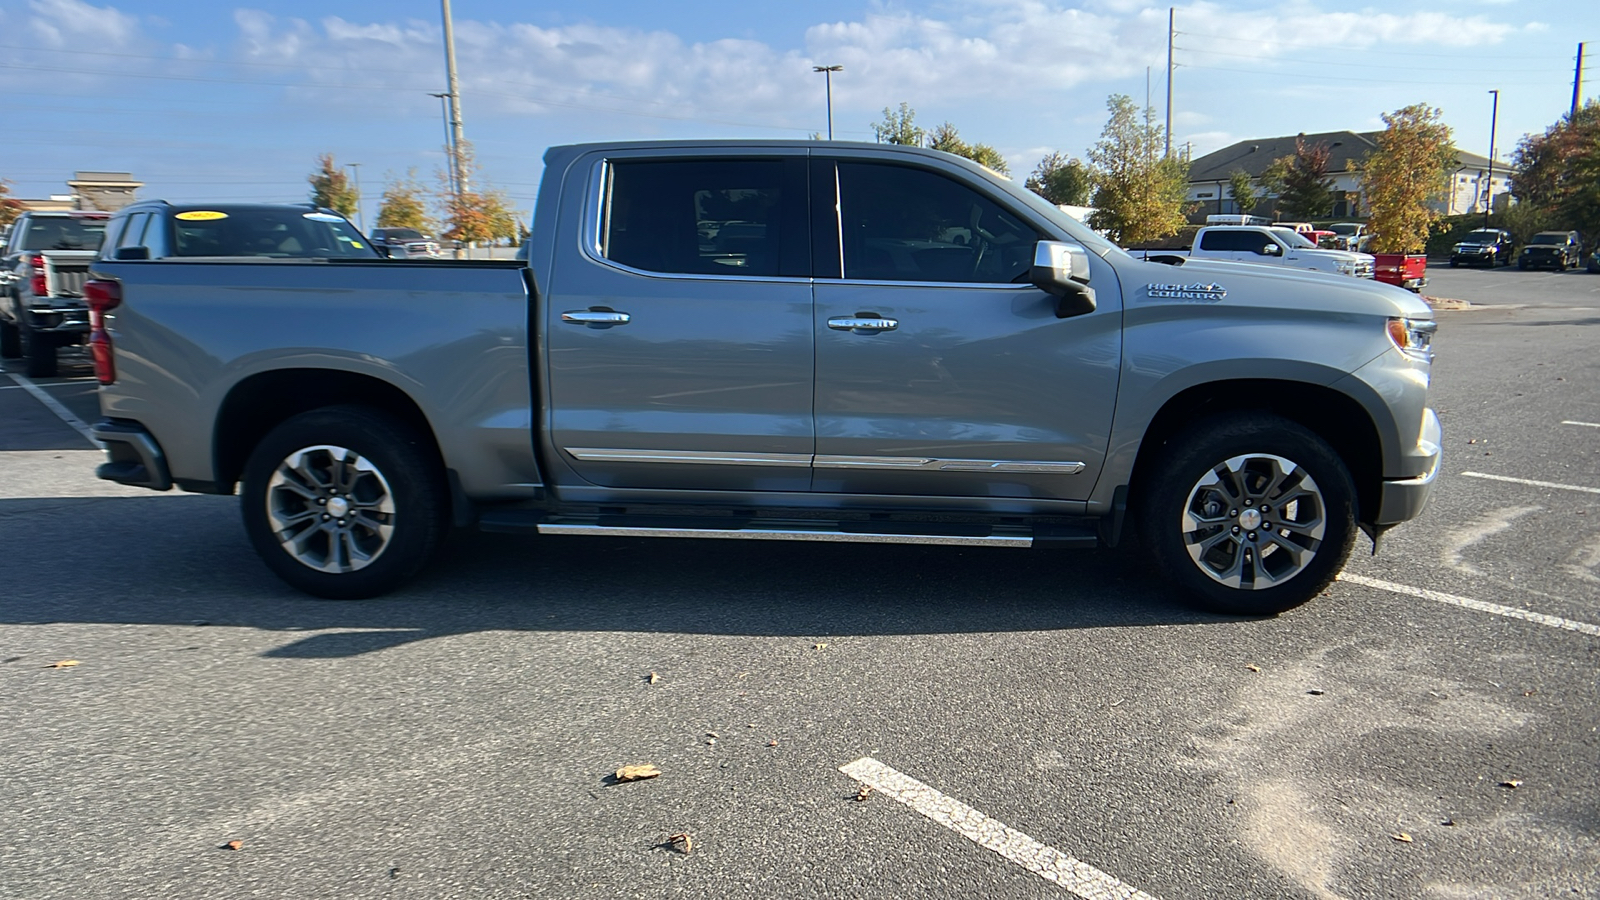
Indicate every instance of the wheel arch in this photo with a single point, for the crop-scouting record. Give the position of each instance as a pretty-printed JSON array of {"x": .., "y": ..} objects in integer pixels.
[
  {"x": 1332, "y": 415},
  {"x": 261, "y": 402}
]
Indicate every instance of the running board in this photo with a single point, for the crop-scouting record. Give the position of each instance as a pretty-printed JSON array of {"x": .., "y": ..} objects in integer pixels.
[{"x": 857, "y": 532}]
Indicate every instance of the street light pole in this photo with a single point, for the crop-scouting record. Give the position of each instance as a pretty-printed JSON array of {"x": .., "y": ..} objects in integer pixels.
[
  {"x": 827, "y": 74},
  {"x": 449, "y": 144},
  {"x": 1488, "y": 190},
  {"x": 361, "y": 220}
]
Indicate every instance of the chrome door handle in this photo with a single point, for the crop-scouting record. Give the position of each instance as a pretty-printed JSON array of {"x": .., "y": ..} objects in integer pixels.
[
  {"x": 863, "y": 324},
  {"x": 596, "y": 318}
]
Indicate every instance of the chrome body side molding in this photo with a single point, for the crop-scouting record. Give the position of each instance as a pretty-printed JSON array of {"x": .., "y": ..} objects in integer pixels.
[{"x": 895, "y": 463}]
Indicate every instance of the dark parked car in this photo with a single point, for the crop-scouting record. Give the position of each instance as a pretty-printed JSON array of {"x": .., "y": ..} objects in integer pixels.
[
  {"x": 1560, "y": 250},
  {"x": 1489, "y": 246}
]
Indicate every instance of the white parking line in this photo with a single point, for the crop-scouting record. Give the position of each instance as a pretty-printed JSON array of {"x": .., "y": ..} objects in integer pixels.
[
  {"x": 1048, "y": 863},
  {"x": 1510, "y": 612},
  {"x": 1547, "y": 484},
  {"x": 1584, "y": 424},
  {"x": 54, "y": 406}
]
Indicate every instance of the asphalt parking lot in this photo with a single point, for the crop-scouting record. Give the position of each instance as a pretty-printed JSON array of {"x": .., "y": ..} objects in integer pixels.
[{"x": 829, "y": 720}]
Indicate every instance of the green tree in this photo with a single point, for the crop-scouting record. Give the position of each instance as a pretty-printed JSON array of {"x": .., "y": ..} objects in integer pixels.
[
  {"x": 946, "y": 138},
  {"x": 1557, "y": 174},
  {"x": 899, "y": 127},
  {"x": 405, "y": 205},
  {"x": 1303, "y": 186},
  {"x": 1243, "y": 189},
  {"x": 1062, "y": 181},
  {"x": 1410, "y": 168},
  {"x": 331, "y": 188},
  {"x": 1139, "y": 195},
  {"x": 479, "y": 215},
  {"x": 10, "y": 208}
]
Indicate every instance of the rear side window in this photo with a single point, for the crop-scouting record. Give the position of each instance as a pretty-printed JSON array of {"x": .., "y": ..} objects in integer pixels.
[
  {"x": 700, "y": 217},
  {"x": 1233, "y": 241},
  {"x": 905, "y": 224},
  {"x": 267, "y": 234},
  {"x": 63, "y": 233}
]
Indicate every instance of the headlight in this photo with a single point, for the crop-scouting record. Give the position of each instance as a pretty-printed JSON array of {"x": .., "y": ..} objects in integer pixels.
[
  {"x": 1414, "y": 337},
  {"x": 1346, "y": 268}
]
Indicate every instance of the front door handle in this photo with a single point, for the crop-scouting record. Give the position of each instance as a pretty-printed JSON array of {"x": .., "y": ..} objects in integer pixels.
[
  {"x": 596, "y": 317},
  {"x": 863, "y": 324}
]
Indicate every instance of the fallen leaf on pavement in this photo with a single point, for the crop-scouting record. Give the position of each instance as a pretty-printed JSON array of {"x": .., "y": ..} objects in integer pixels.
[
  {"x": 1402, "y": 837},
  {"x": 637, "y": 773},
  {"x": 682, "y": 841},
  {"x": 654, "y": 678},
  {"x": 863, "y": 793},
  {"x": 233, "y": 845},
  {"x": 820, "y": 647},
  {"x": 1253, "y": 668},
  {"x": 63, "y": 664},
  {"x": 1316, "y": 692},
  {"x": 772, "y": 743},
  {"x": 1513, "y": 783}
]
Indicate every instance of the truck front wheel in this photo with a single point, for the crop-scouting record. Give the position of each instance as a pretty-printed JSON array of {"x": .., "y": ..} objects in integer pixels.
[
  {"x": 10, "y": 341},
  {"x": 1252, "y": 514},
  {"x": 344, "y": 502}
]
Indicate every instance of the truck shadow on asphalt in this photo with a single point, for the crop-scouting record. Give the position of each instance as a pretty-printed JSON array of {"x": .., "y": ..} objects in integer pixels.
[{"x": 184, "y": 561}]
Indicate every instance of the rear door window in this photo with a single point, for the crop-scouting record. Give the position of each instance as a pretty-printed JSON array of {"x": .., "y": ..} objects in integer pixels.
[{"x": 707, "y": 217}]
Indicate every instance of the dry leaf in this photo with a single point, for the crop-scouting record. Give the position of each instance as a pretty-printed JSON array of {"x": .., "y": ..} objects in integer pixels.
[
  {"x": 1316, "y": 692},
  {"x": 683, "y": 842},
  {"x": 654, "y": 678},
  {"x": 772, "y": 743},
  {"x": 863, "y": 793},
  {"x": 1253, "y": 668},
  {"x": 637, "y": 773},
  {"x": 234, "y": 845},
  {"x": 820, "y": 647},
  {"x": 63, "y": 664},
  {"x": 712, "y": 734},
  {"x": 1513, "y": 783},
  {"x": 1402, "y": 837}
]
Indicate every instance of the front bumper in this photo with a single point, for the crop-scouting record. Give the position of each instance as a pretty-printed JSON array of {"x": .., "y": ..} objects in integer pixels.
[
  {"x": 1473, "y": 255},
  {"x": 133, "y": 456},
  {"x": 1404, "y": 499}
]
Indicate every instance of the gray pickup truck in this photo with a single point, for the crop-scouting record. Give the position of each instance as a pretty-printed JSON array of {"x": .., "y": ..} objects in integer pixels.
[
  {"x": 816, "y": 341},
  {"x": 46, "y": 259}
]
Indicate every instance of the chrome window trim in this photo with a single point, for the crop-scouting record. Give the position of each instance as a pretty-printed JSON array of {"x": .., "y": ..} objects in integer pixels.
[
  {"x": 974, "y": 285},
  {"x": 606, "y": 454}
]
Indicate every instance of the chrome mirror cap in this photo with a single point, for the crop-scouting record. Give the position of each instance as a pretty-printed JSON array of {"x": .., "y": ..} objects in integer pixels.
[{"x": 1061, "y": 268}]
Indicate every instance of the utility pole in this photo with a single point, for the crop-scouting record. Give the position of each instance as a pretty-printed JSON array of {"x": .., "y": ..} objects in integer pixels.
[
  {"x": 1577, "y": 83},
  {"x": 455, "y": 101},
  {"x": 449, "y": 144},
  {"x": 1488, "y": 190},
  {"x": 361, "y": 220},
  {"x": 1169, "y": 78},
  {"x": 827, "y": 74}
]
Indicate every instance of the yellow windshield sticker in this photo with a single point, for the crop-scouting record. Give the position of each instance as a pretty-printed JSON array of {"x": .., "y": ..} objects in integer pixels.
[
  {"x": 200, "y": 215},
  {"x": 356, "y": 244}
]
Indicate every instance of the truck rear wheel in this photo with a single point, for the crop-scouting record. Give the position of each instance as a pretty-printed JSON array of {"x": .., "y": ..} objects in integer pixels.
[
  {"x": 39, "y": 350},
  {"x": 1252, "y": 514},
  {"x": 10, "y": 341},
  {"x": 344, "y": 502}
]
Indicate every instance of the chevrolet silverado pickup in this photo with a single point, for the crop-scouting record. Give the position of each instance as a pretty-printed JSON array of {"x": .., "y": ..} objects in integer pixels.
[
  {"x": 46, "y": 259},
  {"x": 814, "y": 341}
]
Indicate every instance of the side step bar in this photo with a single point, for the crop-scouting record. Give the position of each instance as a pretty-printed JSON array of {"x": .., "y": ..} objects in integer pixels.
[{"x": 858, "y": 532}]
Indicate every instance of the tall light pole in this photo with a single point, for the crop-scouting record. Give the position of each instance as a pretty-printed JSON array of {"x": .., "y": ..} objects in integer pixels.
[
  {"x": 455, "y": 98},
  {"x": 1488, "y": 190},
  {"x": 827, "y": 74},
  {"x": 361, "y": 220}
]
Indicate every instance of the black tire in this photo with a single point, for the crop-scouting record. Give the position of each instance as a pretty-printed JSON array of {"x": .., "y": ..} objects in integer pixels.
[
  {"x": 1523, "y": 266},
  {"x": 1454, "y": 263},
  {"x": 39, "y": 351},
  {"x": 409, "y": 481},
  {"x": 1244, "y": 445},
  {"x": 10, "y": 341}
]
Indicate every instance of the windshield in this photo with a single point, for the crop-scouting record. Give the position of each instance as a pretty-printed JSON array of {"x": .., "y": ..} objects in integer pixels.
[
  {"x": 1344, "y": 228},
  {"x": 403, "y": 234},
  {"x": 1078, "y": 230},
  {"x": 1293, "y": 238},
  {"x": 1486, "y": 236},
  {"x": 272, "y": 233},
  {"x": 1548, "y": 239},
  {"x": 63, "y": 233}
]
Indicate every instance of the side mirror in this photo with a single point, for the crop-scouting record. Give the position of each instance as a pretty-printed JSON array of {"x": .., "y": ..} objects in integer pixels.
[
  {"x": 1061, "y": 269},
  {"x": 127, "y": 253},
  {"x": 382, "y": 250},
  {"x": 1271, "y": 250}
]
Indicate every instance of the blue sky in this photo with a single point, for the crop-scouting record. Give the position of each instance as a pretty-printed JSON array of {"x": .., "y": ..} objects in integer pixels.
[{"x": 210, "y": 100}]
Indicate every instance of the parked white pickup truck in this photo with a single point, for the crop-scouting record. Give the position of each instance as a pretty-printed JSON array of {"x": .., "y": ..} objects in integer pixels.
[{"x": 1276, "y": 245}]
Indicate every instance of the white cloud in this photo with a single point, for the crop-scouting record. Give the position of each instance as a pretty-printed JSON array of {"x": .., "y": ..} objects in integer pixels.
[{"x": 61, "y": 24}]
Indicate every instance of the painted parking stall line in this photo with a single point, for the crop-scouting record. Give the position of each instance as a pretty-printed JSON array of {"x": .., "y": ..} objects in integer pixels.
[
  {"x": 54, "y": 405},
  {"x": 1581, "y": 424},
  {"x": 1510, "y": 612},
  {"x": 1532, "y": 483},
  {"x": 1052, "y": 865}
]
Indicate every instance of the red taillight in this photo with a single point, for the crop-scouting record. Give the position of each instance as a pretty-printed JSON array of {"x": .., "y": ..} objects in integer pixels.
[
  {"x": 102, "y": 297},
  {"x": 39, "y": 284}
]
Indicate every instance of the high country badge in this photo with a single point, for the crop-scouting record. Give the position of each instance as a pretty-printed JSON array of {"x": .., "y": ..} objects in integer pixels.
[{"x": 1196, "y": 291}]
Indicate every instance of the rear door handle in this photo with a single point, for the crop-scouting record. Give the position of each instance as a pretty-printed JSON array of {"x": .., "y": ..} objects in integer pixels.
[
  {"x": 863, "y": 324},
  {"x": 597, "y": 317}
]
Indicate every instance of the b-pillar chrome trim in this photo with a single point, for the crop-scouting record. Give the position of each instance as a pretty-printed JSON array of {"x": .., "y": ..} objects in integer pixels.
[{"x": 827, "y": 461}]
